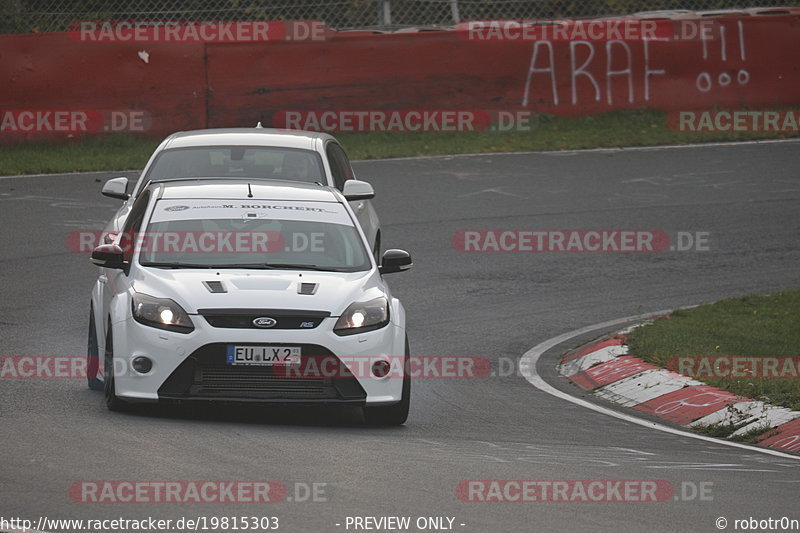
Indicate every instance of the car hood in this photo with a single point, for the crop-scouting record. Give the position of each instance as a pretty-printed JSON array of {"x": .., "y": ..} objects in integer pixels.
[{"x": 257, "y": 289}]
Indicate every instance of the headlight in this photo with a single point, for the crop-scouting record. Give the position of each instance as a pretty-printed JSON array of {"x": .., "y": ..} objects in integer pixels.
[
  {"x": 363, "y": 316},
  {"x": 160, "y": 313}
]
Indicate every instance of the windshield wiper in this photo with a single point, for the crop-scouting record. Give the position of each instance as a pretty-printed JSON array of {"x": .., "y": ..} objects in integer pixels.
[
  {"x": 289, "y": 266},
  {"x": 174, "y": 264},
  {"x": 281, "y": 266}
]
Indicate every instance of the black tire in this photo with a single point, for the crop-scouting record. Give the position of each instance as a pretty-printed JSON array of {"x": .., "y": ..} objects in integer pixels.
[
  {"x": 112, "y": 401},
  {"x": 93, "y": 355},
  {"x": 395, "y": 414}
]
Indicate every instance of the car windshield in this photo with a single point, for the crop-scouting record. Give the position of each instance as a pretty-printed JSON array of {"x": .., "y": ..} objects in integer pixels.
[
  {"x": 237, "y": 162},
  {"x": 254, "y": 234}
]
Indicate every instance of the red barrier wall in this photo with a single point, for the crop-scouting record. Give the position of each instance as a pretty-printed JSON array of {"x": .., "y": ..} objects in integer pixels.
[
  {"x": 751, "y": 61},
  {"x": 52, "y": 72},
  {"x": 443, "y": 70}
]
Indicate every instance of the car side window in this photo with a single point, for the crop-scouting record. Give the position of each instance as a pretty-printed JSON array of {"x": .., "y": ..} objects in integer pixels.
[
  {"x": 340, "y": 165},
  {"x": 133, "y": 224}
]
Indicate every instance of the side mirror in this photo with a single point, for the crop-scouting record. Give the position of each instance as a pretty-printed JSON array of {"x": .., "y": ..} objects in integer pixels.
[
  {"x": 108, "y": 256},
  {"x": 395, "y": 261},
  {"x": 358, "y": 190},
  {"x": 116, "y": 188}
]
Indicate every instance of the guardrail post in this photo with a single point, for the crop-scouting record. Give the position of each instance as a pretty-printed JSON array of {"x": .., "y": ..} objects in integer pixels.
[
  {"x": 454, "y": 11},
  {"x": 384, "y": 12}
]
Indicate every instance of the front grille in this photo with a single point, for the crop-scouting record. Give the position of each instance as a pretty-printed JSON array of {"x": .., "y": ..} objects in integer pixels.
[
  {"x": 243, "y": 318},
  {"x": 205, "y": 374},
  {"x": 257, "y": 382}
]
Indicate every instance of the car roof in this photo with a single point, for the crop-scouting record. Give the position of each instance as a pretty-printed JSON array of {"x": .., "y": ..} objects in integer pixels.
[
  {"x": 245, "y": 137},
  {"x": 237, "y": 189}
]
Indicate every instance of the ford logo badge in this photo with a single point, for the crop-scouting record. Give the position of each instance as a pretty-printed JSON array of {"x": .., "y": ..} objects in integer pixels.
[{"x": 264, "y": 322}]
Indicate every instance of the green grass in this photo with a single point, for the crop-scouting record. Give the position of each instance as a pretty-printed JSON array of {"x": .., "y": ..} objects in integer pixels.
[
  {"x": 609, "y": 130},
  {"x": 748, "y": 326},
  {"x": 618, "y": 129},
  {"x": 725, "y": 431},
  {"x": 115, "y": 152}
]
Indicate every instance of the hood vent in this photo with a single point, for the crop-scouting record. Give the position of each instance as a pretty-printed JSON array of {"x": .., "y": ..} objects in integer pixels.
[
  {"x": 307, "y": 288},
  {"x": 214, "y": 286}
]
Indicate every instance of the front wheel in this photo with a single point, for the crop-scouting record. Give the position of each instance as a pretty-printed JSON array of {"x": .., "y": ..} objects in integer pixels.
[
  {"x": 112, "y": 401},
  {"x": 395, "y": 414}
]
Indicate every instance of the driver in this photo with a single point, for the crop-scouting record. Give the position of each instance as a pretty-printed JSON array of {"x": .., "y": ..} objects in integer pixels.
[{"x": 297, "y": 167}]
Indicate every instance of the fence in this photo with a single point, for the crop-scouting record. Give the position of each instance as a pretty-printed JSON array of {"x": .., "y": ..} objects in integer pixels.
[{"x": 27, "y": 16}]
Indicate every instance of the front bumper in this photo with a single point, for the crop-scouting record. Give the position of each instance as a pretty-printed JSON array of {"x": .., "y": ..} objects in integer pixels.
[{"x": 189, "y": 367}]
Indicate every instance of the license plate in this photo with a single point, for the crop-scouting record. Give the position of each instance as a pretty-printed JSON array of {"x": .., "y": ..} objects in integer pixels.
[{"x": 263, "y": 355}]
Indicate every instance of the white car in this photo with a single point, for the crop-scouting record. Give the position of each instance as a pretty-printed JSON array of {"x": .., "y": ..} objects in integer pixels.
[
  {"x": 252, "y": 153},
  {"x": 247, "y": 291}
]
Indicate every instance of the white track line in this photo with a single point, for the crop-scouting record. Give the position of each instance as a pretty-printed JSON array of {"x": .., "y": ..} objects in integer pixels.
[{"x": 527, "y": 366}]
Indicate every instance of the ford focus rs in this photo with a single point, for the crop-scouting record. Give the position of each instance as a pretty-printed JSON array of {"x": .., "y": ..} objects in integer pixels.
[{"x": 221, "y": 290}]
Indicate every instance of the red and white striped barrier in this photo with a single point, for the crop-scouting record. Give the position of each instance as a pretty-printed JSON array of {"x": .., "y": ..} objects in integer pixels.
[{"x": 607, "y": 369}]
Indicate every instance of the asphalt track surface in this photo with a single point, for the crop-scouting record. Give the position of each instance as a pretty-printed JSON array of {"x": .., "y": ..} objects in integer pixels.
[{"x": 495, "y": 305}]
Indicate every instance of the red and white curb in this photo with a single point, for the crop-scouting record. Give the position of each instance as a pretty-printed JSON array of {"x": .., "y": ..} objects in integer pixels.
[
  {"x": 678, "y": 406},
  {"x": 609, "y": 371}
]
